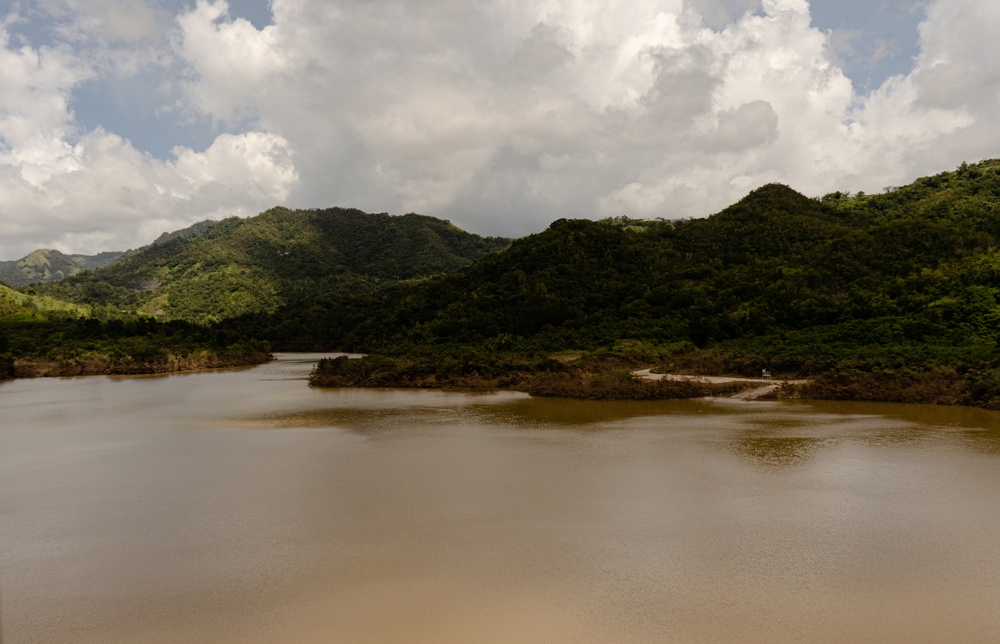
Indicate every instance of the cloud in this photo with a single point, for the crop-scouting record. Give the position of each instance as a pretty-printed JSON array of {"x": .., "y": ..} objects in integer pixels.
[
  {"x": 500, "y": 115},
  {"x": 35, "y": 86},
  {"x": 750, "y": 125},
  {"x": 84, "y": 191},
  {"x": 127, "y": 21},
  {"x": 110, "y": 192},
  {"x": 505, "y": 115},
  {"x": 231, "y": 60},
  {"x": 954, "y": 69},
  {"x": 943, "y": 112},
  {"x": 718, "y": 14},
  {"x": 253, "y": 168}
]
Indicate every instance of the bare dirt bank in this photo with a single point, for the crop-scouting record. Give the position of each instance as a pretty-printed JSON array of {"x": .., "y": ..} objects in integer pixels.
[{"x": 91, "y": 365}]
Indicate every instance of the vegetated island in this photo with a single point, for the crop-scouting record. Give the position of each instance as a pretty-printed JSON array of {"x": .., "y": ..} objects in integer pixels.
[
  {"x": 887, "y": 297},
  {"x": 43, "y": 336}
]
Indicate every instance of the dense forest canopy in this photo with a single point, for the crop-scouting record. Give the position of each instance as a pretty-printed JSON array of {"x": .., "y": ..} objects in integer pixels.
[{"x": 909, "y": 266}]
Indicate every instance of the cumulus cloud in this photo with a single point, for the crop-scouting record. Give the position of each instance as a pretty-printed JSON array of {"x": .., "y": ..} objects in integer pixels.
[
  {"x": 111, "y": 20},
  {"x": 231, "y": 61},
  {"x": 750, "y": 125},
  {"x": 507, "y": 114},
  {"x": 500, "y": 115},
  {"x": 942, "y": 112},
  {"x": 720, "y": 13},
  {"x": 110, "y": 195}
]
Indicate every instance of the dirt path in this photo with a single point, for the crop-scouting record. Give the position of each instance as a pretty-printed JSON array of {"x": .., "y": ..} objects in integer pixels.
[
  {"x": 766, "y": 386},
  {"x": 754, "y": 394},
  {"x": 647, "y": 374}
]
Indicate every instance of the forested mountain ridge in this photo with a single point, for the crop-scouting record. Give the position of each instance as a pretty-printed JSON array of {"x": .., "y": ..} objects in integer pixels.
[
  {"x": 587, "y": 283},
  {"x": 774, "y": 261},
  {"x": 968, "y": 193},
  {"x": 217, "y": 270}
]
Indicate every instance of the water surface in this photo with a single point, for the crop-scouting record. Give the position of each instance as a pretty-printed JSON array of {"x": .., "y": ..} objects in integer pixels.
[{"x": 243, "y": 506}]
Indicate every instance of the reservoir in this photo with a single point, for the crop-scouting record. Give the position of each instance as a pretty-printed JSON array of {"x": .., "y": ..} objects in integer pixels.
[{"x": 243, "y": 506}]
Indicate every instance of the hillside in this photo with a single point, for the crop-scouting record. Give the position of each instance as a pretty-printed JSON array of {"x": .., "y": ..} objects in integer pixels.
[
  {"x": 17, "y": 305},
  {"x": 969, "y": 193},
  {"x": 45, "y": 265},
  {"x": 580, "y": 283},
  {"x": 218, "y": 270}
]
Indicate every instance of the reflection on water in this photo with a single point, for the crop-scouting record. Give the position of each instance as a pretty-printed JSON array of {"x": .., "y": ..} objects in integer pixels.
[
  {"x": 577, "y": 414},
  {"x": 775, "y": 450},
  {"x": 985, "y": 441},
  {"x": 157, "y": 510}
]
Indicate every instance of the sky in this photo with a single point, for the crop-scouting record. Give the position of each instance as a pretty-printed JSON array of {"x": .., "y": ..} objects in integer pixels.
[{"x": 124, "y": 119}]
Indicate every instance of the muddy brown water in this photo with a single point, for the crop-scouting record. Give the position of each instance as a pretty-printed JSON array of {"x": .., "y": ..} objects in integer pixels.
[{"x": 243, "y": 506}]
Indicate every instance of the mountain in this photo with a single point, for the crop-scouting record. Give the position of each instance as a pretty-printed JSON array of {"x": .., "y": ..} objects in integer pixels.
[
  {"x": 45, "y": 265},
  {"x": 582, "y": 283},
  {"x": 217, "y": 270}
]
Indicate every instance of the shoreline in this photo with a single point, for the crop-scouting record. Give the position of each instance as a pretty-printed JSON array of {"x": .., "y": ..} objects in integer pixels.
[
  {"x": 543, "y": 377},
  {"x": 25, "y": 368},
  {"x": 616, "y": 378}
]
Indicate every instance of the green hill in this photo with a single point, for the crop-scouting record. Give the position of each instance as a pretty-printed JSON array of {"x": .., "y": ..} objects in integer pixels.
[
  {"x": 218, "y": 270},
  {"x": 585, "y": 284},
  {"x": 45, "y": 265}
]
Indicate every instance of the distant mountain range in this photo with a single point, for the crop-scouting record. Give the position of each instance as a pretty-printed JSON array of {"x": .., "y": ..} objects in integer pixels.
[
  {"x": 45, "y": 265},
  {"x": 901, "y": 286}
]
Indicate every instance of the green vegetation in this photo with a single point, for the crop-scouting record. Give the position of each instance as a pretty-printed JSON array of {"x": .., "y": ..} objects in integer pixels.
[
  {"x": 192, "y": 279},
  {"x": 882, "y": 297},
  {"x": 596, "y": 376},
  {"x": 17, "y": 305},
  {"x": 71, "y": 347},
  {"x": 43, "y": 336}
]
